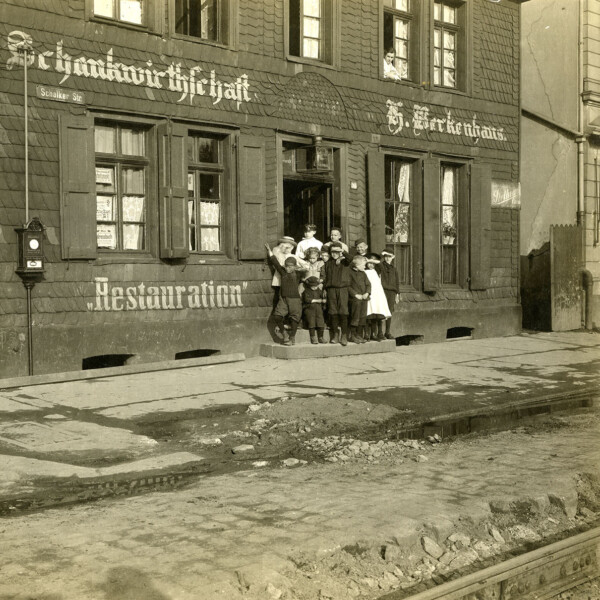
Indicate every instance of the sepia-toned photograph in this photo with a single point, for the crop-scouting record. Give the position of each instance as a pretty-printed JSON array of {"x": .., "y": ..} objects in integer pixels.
[{"x": 299, "y": 300}]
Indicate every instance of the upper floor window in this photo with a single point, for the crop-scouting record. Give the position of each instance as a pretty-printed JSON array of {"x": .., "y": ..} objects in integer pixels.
[
  {"x": 202, "y": 19},
  {"x": 311, "y": 29},
  {"x": 121, "y": 176},
  {"x": 126, "y": 11},
  {"x": 396, "y": 36},
  {"x": 205, "y": 193},
  {"x": 448, "y": 44}
]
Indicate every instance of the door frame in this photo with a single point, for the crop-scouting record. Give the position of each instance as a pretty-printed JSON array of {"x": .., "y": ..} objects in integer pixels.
[{"x": 339, "y": 186}]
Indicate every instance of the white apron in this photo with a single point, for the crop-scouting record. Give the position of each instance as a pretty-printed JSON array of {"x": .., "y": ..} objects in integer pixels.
[{"x": 377, "y": 302}]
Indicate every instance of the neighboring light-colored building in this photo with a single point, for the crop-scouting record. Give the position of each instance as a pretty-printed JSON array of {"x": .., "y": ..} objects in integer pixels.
[
  {"x": 170, "y": 139},
  {"x": 560, "y": 171}
]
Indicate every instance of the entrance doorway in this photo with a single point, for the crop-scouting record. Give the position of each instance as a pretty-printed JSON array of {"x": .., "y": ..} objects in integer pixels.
[{"x": 308, "y": 201}]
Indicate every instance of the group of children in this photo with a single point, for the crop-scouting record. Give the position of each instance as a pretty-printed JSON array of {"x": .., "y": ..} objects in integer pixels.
[{"x": 325, "y": 286}]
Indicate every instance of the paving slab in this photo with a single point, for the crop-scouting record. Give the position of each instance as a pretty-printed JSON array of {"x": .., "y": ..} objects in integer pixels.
[{"x": 73, "y": 437}]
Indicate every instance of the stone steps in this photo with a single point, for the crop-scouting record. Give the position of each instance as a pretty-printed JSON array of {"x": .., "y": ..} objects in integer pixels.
[{"x": 304, "y": 349}]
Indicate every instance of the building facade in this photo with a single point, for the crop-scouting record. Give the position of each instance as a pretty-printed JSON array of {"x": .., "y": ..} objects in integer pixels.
[
  {"x": 170, "y": 139},
  {"x": 560, "y": 221}
]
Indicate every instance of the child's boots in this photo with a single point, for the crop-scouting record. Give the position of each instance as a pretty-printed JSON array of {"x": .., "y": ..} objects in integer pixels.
[
  {"x": 313, "y": 336},
  {"x": 380, "y": 336},
  {"x": 320, "y": 336}
]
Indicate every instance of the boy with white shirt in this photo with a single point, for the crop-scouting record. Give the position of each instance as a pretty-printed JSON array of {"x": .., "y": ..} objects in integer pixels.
[{"x": 308, "y": 241}]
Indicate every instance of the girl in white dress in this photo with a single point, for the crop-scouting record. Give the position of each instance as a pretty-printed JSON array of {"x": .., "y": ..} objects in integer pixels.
[{"x": 377, "y": 308}]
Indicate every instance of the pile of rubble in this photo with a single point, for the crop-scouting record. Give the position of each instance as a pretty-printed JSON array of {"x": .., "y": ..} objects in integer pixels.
[{"x": 343, "y": 449}]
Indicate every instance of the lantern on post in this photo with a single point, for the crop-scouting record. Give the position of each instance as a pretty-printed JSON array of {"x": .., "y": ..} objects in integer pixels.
[
  {"x": 316, "y": 158},
  {"x": 30, "y": 268}
]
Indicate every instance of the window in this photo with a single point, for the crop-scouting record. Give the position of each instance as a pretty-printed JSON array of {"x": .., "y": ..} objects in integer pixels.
[
  {"x": 449, "y": 52},
  {"x": 121, "y": 187},
  {"x": 311, "y": 29},
  {"x": 435, "y": 215},
  {"x": 399, "y": 213},
  {"x": 449, "y": 209},
  {"x": 160, "y": 188},
  {"x": 401, "y": 36},
  {"x": 126, "y": 11},
  {"x": 203, "y": 19},
  {"x": 205, "y": 193}
]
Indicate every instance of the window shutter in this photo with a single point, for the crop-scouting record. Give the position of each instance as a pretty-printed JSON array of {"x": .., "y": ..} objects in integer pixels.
[
  {"x": 173, "y": 212},
  {"x": 481, "y": 200},
  {"x": 327, "y": 31},
  {"x": 252, "y": 210},
  {"x": 78, "y": 197},
  {"x": 431, "y": 224},
  {"x": 294, "y": 27},
  {"x": 376, "y": 181}
]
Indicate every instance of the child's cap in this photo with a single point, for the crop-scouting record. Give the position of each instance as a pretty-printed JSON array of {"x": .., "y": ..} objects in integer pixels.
[
  {"x": 312, "y": 280},
  {"x": 359, "y": 241},
  {"x": 387, "y": 253},
  {"x": 372, "y": 257},
  {"x": 290, "y": 260},
  {"x": 286, "y": 239},
  {"x": 336, "y": 247}
]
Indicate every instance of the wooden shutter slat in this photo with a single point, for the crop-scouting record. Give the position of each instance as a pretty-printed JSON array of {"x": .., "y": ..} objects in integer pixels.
[
  {"x": 376, "y": 183},
  {"x": 78, "y": 197},
  {"x": 252, "y": 210},
  {"x": 173, "y": 211},
  {"x": 431, "y": 224},
  {"x": 481, "y": 199}
]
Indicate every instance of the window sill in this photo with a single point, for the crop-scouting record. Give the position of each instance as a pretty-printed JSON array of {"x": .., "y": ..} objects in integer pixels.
[
  {"x": 310, "y": 61},
  {"x": 448, "y": 90},
  {"x": 123, "y": 24},
  {"x": 204, "y": 42},
  {"x": 208, "y": 259},
  {"x": 192, "y": 260},
  {"x": 401, "y": 82},
  {"x": 122, "y": 258}
]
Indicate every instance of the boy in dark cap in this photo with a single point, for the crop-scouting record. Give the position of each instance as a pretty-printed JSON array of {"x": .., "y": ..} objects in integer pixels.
[
  {"x": 391, "y": 287},
  {"x": 312, "y": 303},
  {"x": 337, "y": 282},
  {"x": 360, "y": 248},
  {"x": 289, "y": 304},
  {"x": 359, "y": 291}
]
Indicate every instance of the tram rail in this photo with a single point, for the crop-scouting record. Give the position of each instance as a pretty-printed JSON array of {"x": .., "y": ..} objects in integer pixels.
[{"x": 541, "y": 574}]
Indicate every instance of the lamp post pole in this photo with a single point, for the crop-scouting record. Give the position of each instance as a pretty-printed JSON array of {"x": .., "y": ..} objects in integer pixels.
[{"x": 25, "y": 50}]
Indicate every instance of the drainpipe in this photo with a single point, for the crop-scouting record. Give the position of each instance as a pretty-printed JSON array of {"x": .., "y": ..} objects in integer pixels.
[
  {"x": 580, "y": 140},
  {"x": 587, "y": 283}
]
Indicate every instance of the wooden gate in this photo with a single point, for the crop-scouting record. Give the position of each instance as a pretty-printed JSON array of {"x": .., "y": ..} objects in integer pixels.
[{"x": 565, "y": 277}]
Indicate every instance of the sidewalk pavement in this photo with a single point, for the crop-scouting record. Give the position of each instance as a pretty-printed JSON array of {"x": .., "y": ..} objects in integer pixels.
[{"x": 48, "y": 431}]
